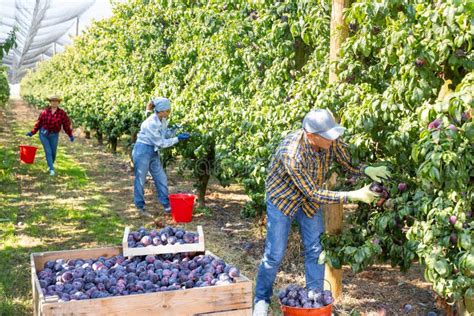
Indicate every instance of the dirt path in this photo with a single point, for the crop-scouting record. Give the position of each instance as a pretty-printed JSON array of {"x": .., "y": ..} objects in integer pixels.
[{"x": 381, "y": 290}]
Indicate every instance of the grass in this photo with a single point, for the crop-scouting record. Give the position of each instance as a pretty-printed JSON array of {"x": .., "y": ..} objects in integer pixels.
[{"x": 43, "y": 213}]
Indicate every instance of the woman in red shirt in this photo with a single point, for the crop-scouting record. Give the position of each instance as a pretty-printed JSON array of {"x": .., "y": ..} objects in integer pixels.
[{"x": 49, "y": 125}]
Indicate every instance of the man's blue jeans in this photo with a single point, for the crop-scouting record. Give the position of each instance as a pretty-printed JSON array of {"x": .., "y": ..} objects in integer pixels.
[
  {"x": 50, "y": 146},
  {"x": 146, "y": 159},
  {"x": 278, "y": 229}
]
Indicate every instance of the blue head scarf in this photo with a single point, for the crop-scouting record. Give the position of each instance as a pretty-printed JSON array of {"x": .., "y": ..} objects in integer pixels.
[{"x": 161, "y": 104}]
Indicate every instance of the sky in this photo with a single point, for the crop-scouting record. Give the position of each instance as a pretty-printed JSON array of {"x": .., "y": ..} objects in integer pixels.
[{"x": 99, "y": 10}]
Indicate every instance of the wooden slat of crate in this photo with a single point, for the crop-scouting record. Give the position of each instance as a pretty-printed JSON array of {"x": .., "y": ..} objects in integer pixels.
[
  {"x": 39, "y": 258},
  {"x": 37, "y": 293},
  {"x": 156, "y": 250},
  {"x": 234, "y": 298},
  {"x": 236, "y": 312}
]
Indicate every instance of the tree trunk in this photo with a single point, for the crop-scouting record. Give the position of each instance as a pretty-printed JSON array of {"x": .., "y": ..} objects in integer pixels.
[
  {"x": 133, "y": 140},
  {"x": 302, "y": 53},
  {"x": 203, "y": 169},
  {"x": 88, "y": 134},
  {"x": 113, "y": 144},
  {"x": 202, "y": 188},
  {"x": 333, "y": 213},
  {"x": 100, "y": 138}
]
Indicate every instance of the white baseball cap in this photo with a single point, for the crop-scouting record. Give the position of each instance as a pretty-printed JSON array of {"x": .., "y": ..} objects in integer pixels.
[{"x": 321, "y": 122}]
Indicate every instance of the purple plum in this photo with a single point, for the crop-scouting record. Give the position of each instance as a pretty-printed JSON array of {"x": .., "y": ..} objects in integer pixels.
[
  {"x": 234, "y": 272},
  {"x": 67, "y": 277},
  {"x": 402, "y": 187},
  {"x": 452, "y": 219},
  {"x": 146, "y": 241},
  {"x": 453, "y": 128},
  {"x": 156, "y": 241},
  {"x": 49, "y": 264},
  {"x": 434, "y": 124},
  {"x": 150, "y": 259},
  {"x": 453, "y": 238}
]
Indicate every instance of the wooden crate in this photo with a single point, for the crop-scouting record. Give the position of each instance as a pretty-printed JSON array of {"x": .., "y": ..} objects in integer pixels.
[
  {"x": 156, "y": 250},
  {"x": 225, "y": 300}
]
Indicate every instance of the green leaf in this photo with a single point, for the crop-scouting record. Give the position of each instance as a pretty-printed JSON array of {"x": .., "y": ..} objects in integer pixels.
[
  {"x": 434, "y": 172},
  {"x": 335, "y": 263},
  {"x": 469, "y": 131},
  {"x": 442, "y": 267},
  {"x": 414, "y": 153},
  {"x": 469, "y": 262},
  {"x": 465, "y": 241},
  {"x": 359, "y": 255},
  {"x": 382, "y": 224},
  {"x": 322, "y": 257}
]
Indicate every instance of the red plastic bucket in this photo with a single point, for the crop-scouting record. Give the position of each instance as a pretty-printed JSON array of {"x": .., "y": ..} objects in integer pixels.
[
  {"x": 27, "y": 153},
  {"x": 298, "y": 311},
  {"x": 182, "y": 205}
]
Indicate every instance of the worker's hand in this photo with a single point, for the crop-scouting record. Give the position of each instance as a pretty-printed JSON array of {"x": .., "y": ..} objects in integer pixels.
[
  {"x": 71, "y": 138},
  {"x": 363, "y": 195},
  {"x": 183, "y": 136},
  {"x": 29, "y": 134},
  {"x": 377, "y": 174}
]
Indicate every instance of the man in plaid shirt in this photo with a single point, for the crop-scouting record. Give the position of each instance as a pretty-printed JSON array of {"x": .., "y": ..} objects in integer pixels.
[
  {"x": 49, "y": 124},
  {"x": 294, "y": 191}
]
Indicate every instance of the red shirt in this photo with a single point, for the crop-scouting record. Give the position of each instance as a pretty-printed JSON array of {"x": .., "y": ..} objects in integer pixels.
[{"x": 53, "y": 122}]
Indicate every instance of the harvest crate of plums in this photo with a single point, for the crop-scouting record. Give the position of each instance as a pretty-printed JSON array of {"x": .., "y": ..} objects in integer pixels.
[
  {"x": 169, "y": 239},
  {"x": 103, "y": 281}
]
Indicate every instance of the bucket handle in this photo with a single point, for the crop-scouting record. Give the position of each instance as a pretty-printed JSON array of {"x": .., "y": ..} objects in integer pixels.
[
  {"x": 330, "y": 286},
  {"x": 182, "y": 192}
]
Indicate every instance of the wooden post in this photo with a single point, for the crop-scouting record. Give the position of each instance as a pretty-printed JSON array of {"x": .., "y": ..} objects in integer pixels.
[
  {"x": 333, "y": 213},
  {"x": 465, "y": 307},
  {"x": 339, "y": 32}
]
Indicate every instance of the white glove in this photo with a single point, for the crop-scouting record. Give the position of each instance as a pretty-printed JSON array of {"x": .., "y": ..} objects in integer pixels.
[
  {"x": 377, "y": 174},
  {"x": 363, "y": 195}
]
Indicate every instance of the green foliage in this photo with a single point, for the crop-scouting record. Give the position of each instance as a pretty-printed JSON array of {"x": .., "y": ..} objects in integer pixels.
[
  {"x": 4, "y": 87},
  {"x": 8, "y": 44},
  {"x": 396, "y": 69},
  {"x": 445, "y": 227}
]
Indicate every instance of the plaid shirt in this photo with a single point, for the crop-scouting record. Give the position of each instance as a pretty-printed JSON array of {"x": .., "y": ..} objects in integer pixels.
[
  {"x": 53, "y": 122},
  {"x": 297, "y": 172}
]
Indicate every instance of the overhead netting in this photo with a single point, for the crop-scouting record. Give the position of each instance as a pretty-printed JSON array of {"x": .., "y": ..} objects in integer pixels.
[{"x": 43, "y": 28}]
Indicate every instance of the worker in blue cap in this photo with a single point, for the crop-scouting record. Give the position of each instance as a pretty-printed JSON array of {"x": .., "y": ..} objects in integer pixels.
[
  {"x": 154, "y": 134},
  {"x": 294, "y": 192}
]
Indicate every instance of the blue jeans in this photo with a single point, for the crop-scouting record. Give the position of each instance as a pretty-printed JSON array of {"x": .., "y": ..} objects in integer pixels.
[
  {"x": 50, "y": 146},
  {"x": 278, "y": 229},
  {"x": 146, "y": 159}
]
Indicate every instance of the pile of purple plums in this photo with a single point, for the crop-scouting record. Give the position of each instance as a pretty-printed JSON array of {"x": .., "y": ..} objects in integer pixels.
[
  {"x": 78, "y": 279},
  {"x": 166, "y": 236}
]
